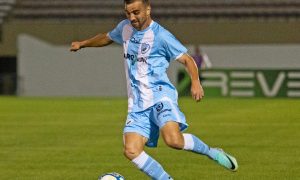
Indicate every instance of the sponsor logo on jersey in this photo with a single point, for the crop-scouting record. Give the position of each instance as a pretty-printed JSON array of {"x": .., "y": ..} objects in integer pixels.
[
  {"x": 134, "y": 58},
  {"x": 145, "y": 48},
  {"x": 135, "y": 40}
]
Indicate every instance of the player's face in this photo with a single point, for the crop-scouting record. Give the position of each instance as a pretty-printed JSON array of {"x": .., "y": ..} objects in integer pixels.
[{"x": 138, "y": 14}]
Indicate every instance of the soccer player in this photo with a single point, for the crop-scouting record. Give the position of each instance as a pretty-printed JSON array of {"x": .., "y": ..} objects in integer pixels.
[{"x": 152, "y": 99}]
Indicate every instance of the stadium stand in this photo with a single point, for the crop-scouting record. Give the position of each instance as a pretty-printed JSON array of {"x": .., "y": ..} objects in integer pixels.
[
  {"x": 162, "y": 9},
  {"x": 5, "y": 8}
]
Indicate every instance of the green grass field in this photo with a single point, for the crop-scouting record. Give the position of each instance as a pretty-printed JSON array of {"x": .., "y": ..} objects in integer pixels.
[{"x": 81, "y": 138}]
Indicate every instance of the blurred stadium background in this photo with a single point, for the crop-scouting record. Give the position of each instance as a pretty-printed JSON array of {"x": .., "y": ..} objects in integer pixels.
[
  {"x": 234, "y": 33},
  {"x": 254, "y": 49}
]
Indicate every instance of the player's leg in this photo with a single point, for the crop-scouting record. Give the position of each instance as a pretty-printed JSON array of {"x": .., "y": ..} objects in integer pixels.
[
  {"x": 138, "y": 132},
  {"x": 174, "y": 138},
  {"x": 133, "y": 145},
  {"x": 134, "y": 151},
  {"x": 194, "y": 144},
  {"x": 172, "y": 122}
]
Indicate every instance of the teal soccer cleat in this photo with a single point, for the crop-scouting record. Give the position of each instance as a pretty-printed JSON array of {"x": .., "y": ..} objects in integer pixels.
[{"x": 226, "y": 160}]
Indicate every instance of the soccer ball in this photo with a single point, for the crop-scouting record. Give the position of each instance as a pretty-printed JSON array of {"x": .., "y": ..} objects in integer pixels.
[{"x": 111, "y": 176}]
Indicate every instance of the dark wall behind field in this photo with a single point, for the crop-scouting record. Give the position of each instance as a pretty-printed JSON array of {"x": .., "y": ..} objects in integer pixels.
[{"x": 228, "y": 32}]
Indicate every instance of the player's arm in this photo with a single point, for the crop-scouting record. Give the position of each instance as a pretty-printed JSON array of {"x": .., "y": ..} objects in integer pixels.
[
  {"x": 190, "y": 66},
  {"x": 99, "y": 40}
]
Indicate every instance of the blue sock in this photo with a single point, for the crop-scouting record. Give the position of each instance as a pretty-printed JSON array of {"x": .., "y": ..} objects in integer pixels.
[
  {"x": 192, "y": 143},
  {"x": 151, "y": 167}
]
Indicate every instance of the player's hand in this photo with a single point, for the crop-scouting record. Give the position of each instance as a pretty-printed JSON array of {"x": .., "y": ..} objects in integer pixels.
[
  {"x": 197, "y": 90},
  {"x": 75, "y": 46}
]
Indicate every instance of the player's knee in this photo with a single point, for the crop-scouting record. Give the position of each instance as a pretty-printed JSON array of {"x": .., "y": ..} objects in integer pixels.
[
  {"x": 131, "y": 152},
  {"x": 175, "y": 142}
]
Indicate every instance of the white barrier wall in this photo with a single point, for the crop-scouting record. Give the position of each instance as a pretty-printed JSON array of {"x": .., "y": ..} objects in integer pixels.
[{"x": 47, "y": 70}]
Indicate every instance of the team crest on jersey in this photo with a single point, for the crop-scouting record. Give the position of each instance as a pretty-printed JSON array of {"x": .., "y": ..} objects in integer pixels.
[
  {"x": 145, "y": 48},
  {"x": 159, "y": 107}
]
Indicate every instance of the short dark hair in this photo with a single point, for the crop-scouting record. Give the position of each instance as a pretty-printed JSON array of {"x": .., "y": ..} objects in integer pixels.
[{"x": 146, "y": 2}]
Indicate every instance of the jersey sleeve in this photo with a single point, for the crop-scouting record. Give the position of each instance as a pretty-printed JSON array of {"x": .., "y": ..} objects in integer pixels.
[
  {"x": 173, "y": 48},
  {"x": 116, "y": 33}
]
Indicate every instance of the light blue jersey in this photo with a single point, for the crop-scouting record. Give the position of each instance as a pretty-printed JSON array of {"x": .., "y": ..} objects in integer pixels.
[{"x": 147, "y": 55}]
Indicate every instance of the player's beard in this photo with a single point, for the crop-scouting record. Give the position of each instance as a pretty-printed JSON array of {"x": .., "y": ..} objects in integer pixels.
[
  {"x": 135, "y": 24},
  {"x": 138, "y": 24}
]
